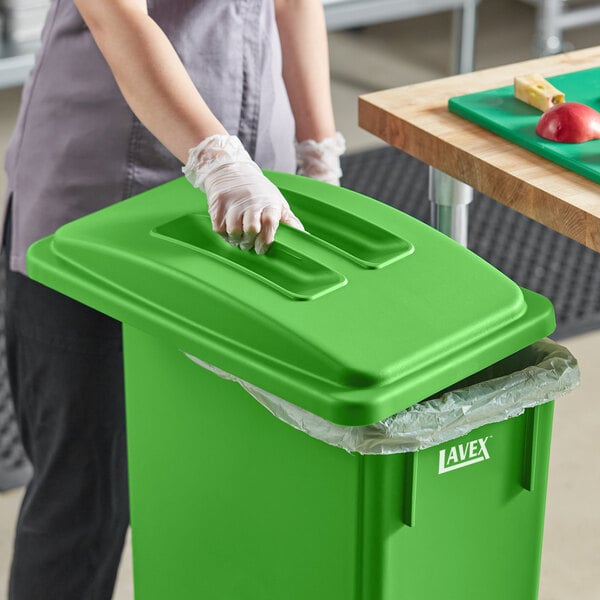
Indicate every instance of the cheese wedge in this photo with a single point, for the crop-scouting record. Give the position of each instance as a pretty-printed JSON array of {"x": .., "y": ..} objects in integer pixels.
[{"x": 536, "y": 91}]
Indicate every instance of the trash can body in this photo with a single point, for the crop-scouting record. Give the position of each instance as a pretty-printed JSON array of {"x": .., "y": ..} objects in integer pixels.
[
  {"x": 230, "y": 503},
  {"x": 365, "y": 316}
]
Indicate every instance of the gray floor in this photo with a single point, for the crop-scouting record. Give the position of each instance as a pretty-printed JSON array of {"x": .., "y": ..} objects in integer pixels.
[{"x": 397, "y": 54}]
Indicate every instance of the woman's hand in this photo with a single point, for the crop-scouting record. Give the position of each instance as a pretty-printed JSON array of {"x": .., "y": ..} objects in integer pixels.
[
  {"x": 321, "y": 160},
  {"x": 244, "y": 206}
]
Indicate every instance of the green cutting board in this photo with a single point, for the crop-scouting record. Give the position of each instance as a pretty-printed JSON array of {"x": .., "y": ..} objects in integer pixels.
[{"x": 499, "y": 111}]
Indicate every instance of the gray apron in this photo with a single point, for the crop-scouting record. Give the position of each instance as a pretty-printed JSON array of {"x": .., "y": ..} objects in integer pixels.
[{"x": 77, "y": 147}]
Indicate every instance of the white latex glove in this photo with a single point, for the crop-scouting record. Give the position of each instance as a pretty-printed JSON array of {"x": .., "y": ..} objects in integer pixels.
[
  {"x": 321, "y": 160},
  {"x": 244, "y": 206}
]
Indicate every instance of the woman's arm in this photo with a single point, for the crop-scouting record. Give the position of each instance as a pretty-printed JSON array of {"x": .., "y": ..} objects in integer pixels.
[
  {"x": 301, "y": 25},
  {"x": 149, "y": 73},
  {"x": 245, "y": 207}
]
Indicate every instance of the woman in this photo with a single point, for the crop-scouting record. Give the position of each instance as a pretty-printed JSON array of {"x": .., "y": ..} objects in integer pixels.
[{"x": 123, "y": 93}]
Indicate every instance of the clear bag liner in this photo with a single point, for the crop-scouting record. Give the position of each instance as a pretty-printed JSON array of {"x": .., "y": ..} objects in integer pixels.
[{"x": 537, "y": 374}]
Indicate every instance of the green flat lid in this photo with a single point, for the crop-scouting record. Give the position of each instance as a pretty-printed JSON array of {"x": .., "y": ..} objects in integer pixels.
[
  {"x": 369, "y": 313},
  {"x": 500, "y": 112}
]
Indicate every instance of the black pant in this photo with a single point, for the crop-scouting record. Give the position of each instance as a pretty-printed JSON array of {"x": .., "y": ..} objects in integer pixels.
[{"x": 65, "y": 368}]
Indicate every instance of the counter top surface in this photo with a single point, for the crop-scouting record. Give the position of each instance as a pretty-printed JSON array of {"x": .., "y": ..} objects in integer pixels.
[{"x": 416, "y": 119}]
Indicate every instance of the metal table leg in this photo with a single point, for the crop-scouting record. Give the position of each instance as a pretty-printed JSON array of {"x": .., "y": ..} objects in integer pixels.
[
  {"x": 553, "y": 17},
  {"x": 450, "y": 201},
  {"x": 548, "y": 37},
  {"x": 464, "y": 29}
]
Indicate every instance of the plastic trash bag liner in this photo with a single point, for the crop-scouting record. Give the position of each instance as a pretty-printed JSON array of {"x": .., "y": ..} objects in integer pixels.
[{"x": 535, "y": 375}]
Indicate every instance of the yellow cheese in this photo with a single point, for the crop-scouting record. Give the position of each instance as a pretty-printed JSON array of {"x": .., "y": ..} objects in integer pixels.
[{"x": 536, "y": 91}]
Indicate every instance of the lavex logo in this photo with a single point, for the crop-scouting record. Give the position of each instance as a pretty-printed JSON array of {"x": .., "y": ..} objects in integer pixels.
[{"x": 463, "y": 455}]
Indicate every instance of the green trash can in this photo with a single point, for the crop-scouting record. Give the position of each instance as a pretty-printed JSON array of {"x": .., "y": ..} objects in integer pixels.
[{"x": 364, "y": 317}]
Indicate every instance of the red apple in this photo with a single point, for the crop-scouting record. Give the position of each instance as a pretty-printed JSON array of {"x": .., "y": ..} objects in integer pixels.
[{"x": 569, "y": 122}]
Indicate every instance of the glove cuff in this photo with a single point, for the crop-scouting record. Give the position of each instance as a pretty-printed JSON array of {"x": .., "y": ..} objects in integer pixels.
[
  {"x": 213, "y": 152},
  {"x": 321, "y": 160}
]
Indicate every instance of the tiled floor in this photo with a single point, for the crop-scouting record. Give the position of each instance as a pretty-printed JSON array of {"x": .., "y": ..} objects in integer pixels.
[{"x": 397, "y": 54}]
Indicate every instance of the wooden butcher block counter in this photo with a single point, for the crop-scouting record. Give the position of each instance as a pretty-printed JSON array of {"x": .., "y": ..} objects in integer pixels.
[{"x": 416, "y": 119}]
